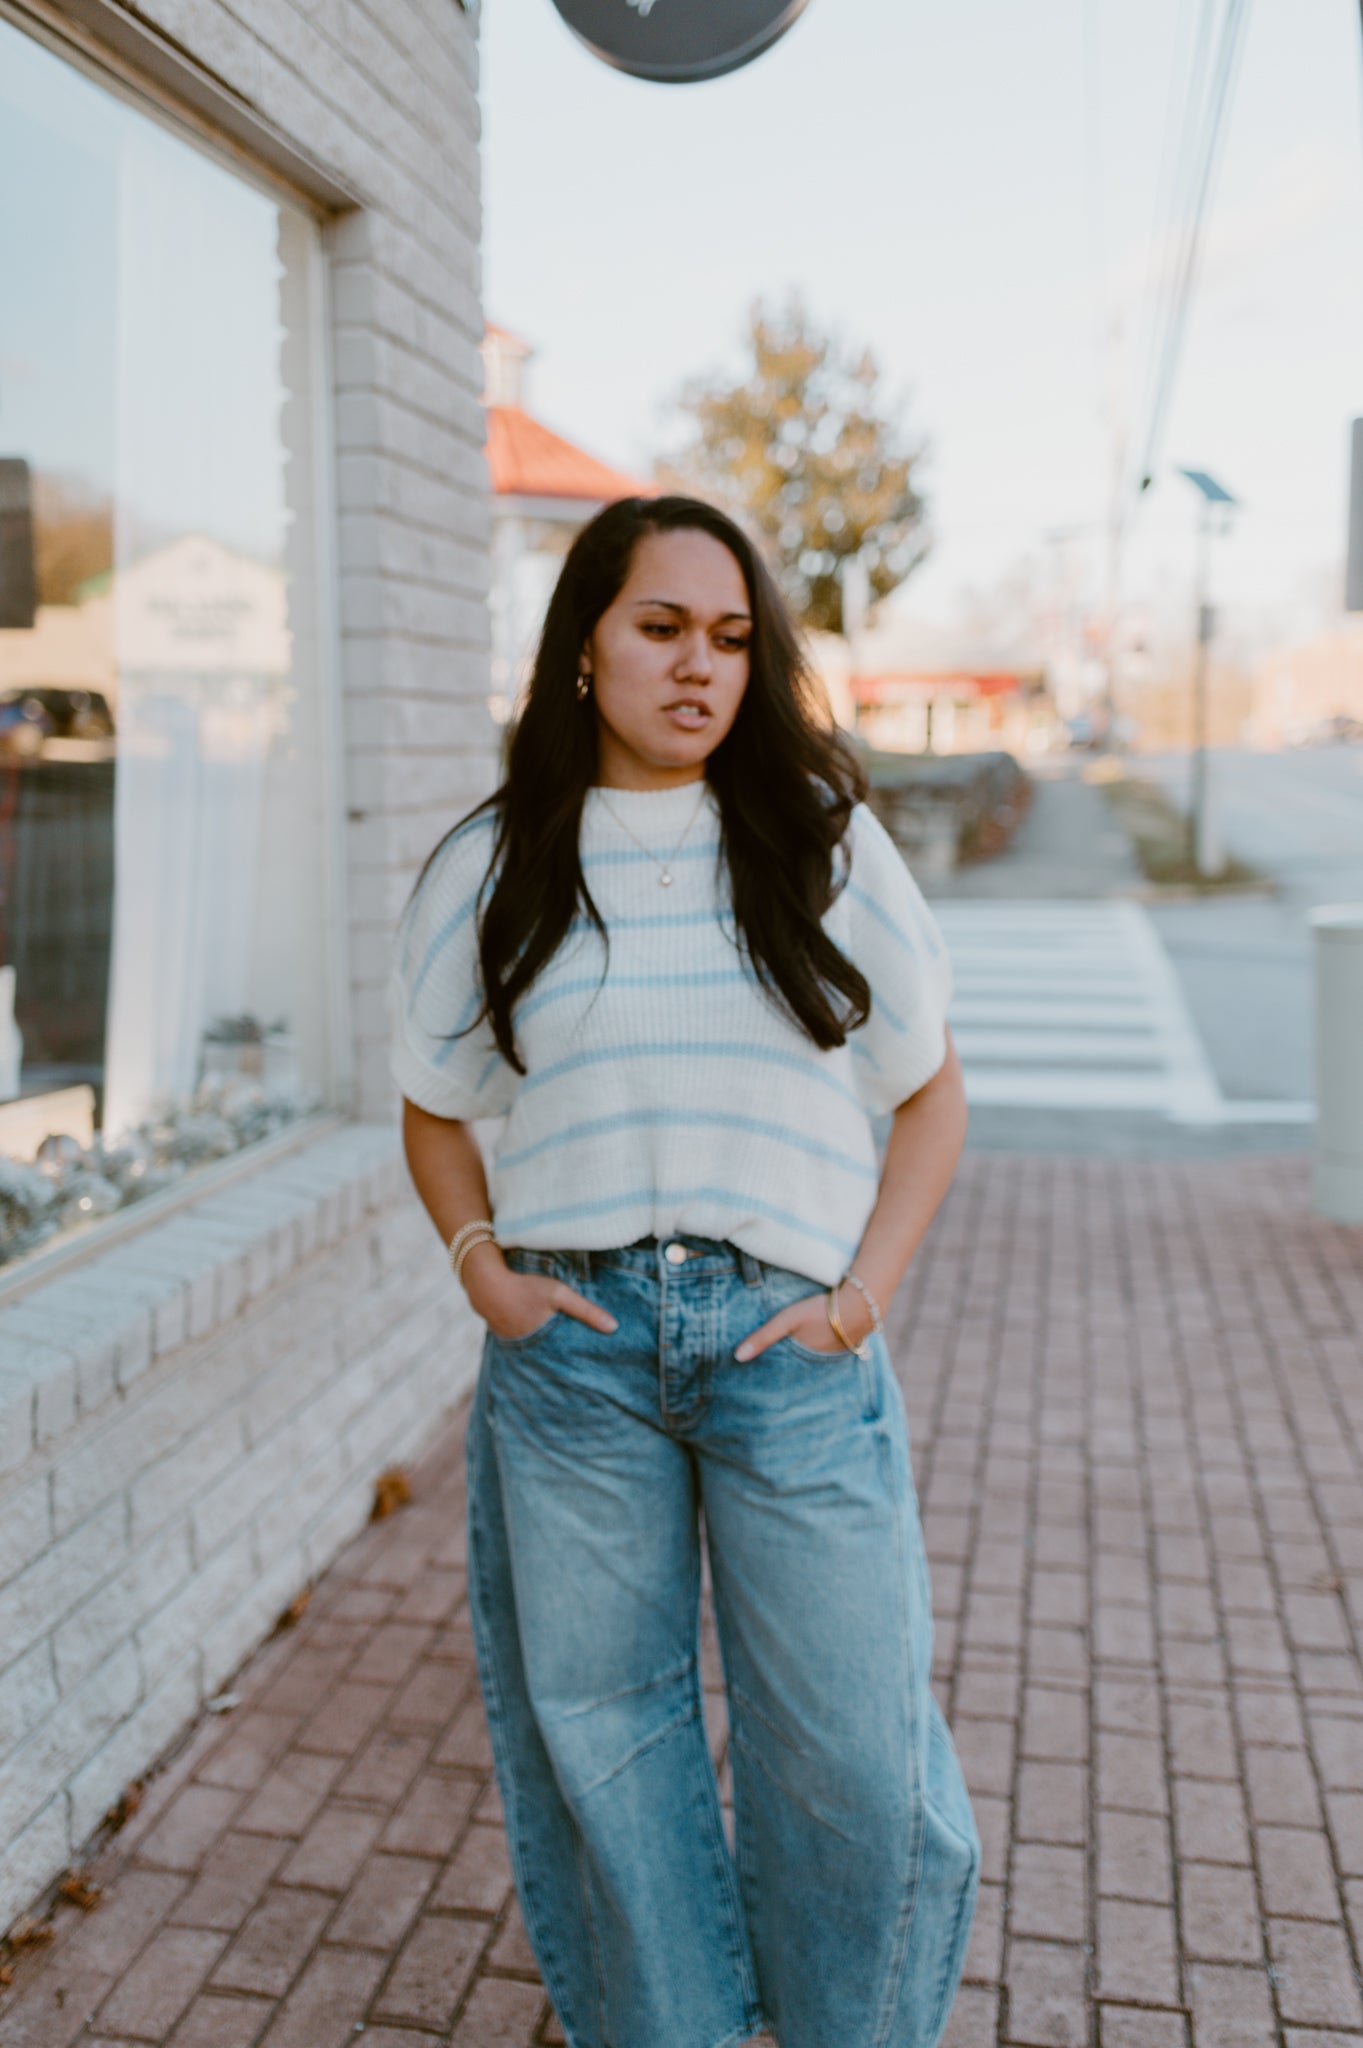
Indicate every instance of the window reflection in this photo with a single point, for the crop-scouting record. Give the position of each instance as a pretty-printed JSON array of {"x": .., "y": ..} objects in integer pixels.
[{"x": 162, "y": 909}]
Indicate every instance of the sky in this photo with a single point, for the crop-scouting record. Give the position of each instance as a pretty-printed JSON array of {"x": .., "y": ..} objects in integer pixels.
[
  {"x": 972, "y": 190},
  {"x": 139, "y": 311}
]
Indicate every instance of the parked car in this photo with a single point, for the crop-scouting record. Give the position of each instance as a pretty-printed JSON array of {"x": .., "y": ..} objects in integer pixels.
[
  {"x": 24, "y": 725},
  {"x": 28, "y": 718}
]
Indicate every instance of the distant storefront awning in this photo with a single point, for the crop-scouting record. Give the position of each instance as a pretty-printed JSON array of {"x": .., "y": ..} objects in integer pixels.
[{"x": 922, "y": 686}]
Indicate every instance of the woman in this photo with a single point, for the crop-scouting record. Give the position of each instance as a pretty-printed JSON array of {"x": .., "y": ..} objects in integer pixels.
[{"x": 687, "y": 965}]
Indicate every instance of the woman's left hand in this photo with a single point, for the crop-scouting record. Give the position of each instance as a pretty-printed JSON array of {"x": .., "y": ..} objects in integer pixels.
[{"x": 807, "y": 1322}]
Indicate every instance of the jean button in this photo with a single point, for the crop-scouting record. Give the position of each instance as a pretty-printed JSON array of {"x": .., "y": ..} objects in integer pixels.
[{"x": 675, "y": 1254}]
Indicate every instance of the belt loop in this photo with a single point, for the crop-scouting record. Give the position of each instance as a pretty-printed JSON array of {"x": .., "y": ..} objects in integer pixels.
[{"x": 751, "y": 1268}]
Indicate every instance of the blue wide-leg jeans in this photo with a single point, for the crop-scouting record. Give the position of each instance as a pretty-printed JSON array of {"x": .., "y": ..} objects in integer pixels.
[{"x": 841, "y": 1921}]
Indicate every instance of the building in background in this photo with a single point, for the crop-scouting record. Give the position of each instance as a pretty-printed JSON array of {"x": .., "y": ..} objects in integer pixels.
[
  {"x": 908, "y": 687},
  {"x": 544, "y": 490},
  {"x": 1309, "y": 692},
  {"x": 244, "y": 682}
]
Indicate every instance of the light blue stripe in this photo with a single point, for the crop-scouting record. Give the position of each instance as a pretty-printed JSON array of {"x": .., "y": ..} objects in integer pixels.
[
  {"x": 710, "y": 977},
  {"x": 453, "y": 923},
  {"x": 611, "y": 857},
  {"x": 714, "y": 977},
  {"x": 676, "y": 919},
  {"x": 926, "y": 932},
  {"x": 688, "y": 1119},
  {"x": 889, "y": 1016},
  {"x": 882, "y": 917},
  {"x": 451, "y": 1044},
  {"x": 683, "y": 1049},
  {"x": 648, "y": 1199}
]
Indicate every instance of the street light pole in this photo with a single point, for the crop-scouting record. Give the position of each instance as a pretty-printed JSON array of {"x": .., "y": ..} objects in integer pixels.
[
  {"x": 1197, "y": 796},
  {"x": 1203, "y": 855}
]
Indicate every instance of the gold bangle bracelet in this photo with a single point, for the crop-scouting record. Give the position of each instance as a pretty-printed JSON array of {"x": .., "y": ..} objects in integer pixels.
[{"x": 862, "y": 1350}]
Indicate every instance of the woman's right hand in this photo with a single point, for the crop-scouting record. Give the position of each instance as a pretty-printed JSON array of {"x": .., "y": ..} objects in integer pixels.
[{"x": 517, "y": 1304}]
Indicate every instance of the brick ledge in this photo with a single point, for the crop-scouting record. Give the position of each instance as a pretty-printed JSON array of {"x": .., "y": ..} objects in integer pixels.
[{"x": 78, "y": 1342}]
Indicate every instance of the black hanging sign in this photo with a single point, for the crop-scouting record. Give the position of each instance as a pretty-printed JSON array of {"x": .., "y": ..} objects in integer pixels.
[{"x": 679, "y": 42}]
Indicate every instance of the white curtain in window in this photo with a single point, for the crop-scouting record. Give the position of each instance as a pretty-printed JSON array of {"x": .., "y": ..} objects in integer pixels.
[{"x": 200, "y": 625}]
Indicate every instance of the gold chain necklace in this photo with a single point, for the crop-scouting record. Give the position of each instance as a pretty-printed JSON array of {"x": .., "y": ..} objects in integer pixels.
[{"x": 664, "y": 867}]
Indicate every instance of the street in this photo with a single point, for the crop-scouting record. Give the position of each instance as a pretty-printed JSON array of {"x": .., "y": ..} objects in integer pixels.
[
  {"x": 1298, "y": 815},
  {"x": 1187, "y": 1024},
  {"x": 1245, "y": 963}
]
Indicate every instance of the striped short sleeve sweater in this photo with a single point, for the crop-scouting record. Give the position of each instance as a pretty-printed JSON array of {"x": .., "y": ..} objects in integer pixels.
[{"x": 664, "y": 1091}]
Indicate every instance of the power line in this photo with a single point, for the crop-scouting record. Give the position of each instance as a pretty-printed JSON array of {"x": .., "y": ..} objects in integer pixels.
[
  {"x": 1201, "y": 160},
  {"x": 1184, "y": 112},
  {"x": 1173, "y": 193},
  {"x": 1185, "y": 103}
]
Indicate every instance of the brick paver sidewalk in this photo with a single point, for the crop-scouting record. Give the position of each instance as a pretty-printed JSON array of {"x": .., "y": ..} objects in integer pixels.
[{"x": 1136, "y": 1393}]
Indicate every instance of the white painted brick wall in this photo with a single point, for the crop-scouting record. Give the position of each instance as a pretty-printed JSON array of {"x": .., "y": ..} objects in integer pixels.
[
  {"x": 191, "y": 1422},
  {"x": 146, "y": 1549}
]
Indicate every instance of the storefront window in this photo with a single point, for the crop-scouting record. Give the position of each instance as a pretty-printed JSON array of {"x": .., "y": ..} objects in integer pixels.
[{"x": 163, "y": 911}]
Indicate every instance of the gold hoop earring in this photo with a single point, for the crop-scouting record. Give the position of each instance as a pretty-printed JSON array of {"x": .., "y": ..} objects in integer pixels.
[{"x": 584, "y": 684}]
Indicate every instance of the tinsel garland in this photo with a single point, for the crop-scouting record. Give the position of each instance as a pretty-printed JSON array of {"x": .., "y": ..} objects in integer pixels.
[{"x": 70, "y": 1185}]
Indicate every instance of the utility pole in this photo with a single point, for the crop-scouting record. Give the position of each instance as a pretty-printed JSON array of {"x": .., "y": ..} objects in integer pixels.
[{"x": 1116, "y": 529}]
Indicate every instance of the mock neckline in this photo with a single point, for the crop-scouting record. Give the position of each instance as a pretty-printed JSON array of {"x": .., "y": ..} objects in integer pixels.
[{"x": 659, "y": 804}]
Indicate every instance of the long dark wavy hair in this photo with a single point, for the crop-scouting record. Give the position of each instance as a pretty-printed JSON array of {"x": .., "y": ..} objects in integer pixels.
[{"x": 785, "y": 780}]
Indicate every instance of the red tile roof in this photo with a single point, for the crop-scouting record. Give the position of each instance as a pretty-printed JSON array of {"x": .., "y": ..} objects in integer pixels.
[{"x": 529, "y": 461}]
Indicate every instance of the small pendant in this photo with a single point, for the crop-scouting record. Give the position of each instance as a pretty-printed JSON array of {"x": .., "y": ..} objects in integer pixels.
[{"x": 665, "y": 879}]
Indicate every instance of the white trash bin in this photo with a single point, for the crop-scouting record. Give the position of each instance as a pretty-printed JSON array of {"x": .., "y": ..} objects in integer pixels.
[{"x": 1338, "y": 931}]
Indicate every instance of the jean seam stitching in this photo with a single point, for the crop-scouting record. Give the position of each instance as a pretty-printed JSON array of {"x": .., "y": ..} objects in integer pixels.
[
  {"x": 743, "y": 1862},
  {"x": 545, "y": 1953},
  {"x": 630, "y": 1692},
  {"x": 724, "y": 1864},
  {"x": 681, "y": 1720},
  {"x": 953, "y": 1957},
  {"x": 913, "y": 1884},
  {"x": 741, "y": 1699},
  {"x": 760, "y": 1763}
]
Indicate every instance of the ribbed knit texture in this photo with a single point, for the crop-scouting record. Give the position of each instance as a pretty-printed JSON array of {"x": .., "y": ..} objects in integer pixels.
[{"x": 665, "y": 1092}]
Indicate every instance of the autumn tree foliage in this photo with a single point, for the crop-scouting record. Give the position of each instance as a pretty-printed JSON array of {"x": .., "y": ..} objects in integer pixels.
[
  {"x": 73, "y": 537},
  {"x": 807, "y": 451}
]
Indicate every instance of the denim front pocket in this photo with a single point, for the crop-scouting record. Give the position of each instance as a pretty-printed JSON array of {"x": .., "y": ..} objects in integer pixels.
[
  {"x": 527, "y": 1337},
  {"x": 812, "y": 1351},
  {"x": 782, "y": 1288},
  {"x": 867, "y": 1369},
  {"x": 522, "y": 1261}
]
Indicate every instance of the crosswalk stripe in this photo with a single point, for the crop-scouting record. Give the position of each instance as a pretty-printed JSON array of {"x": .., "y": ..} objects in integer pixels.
[{"x": 1073, "y": 1005}]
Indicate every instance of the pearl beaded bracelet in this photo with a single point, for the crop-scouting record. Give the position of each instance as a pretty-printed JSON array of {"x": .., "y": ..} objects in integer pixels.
[
  {"x": 862, "y": 1350},
  {"x": 479, "y": 1231}
]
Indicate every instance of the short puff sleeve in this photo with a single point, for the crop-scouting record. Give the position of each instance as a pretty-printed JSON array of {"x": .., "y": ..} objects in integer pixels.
[
  {"x": 894, "y": 939},
  {"x": 438, "y": 1062}
]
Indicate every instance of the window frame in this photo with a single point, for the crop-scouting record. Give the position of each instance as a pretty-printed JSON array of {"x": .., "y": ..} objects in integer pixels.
[
  {"x": 133, "y": 60},
  {"x": 322, "y": 201}
]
